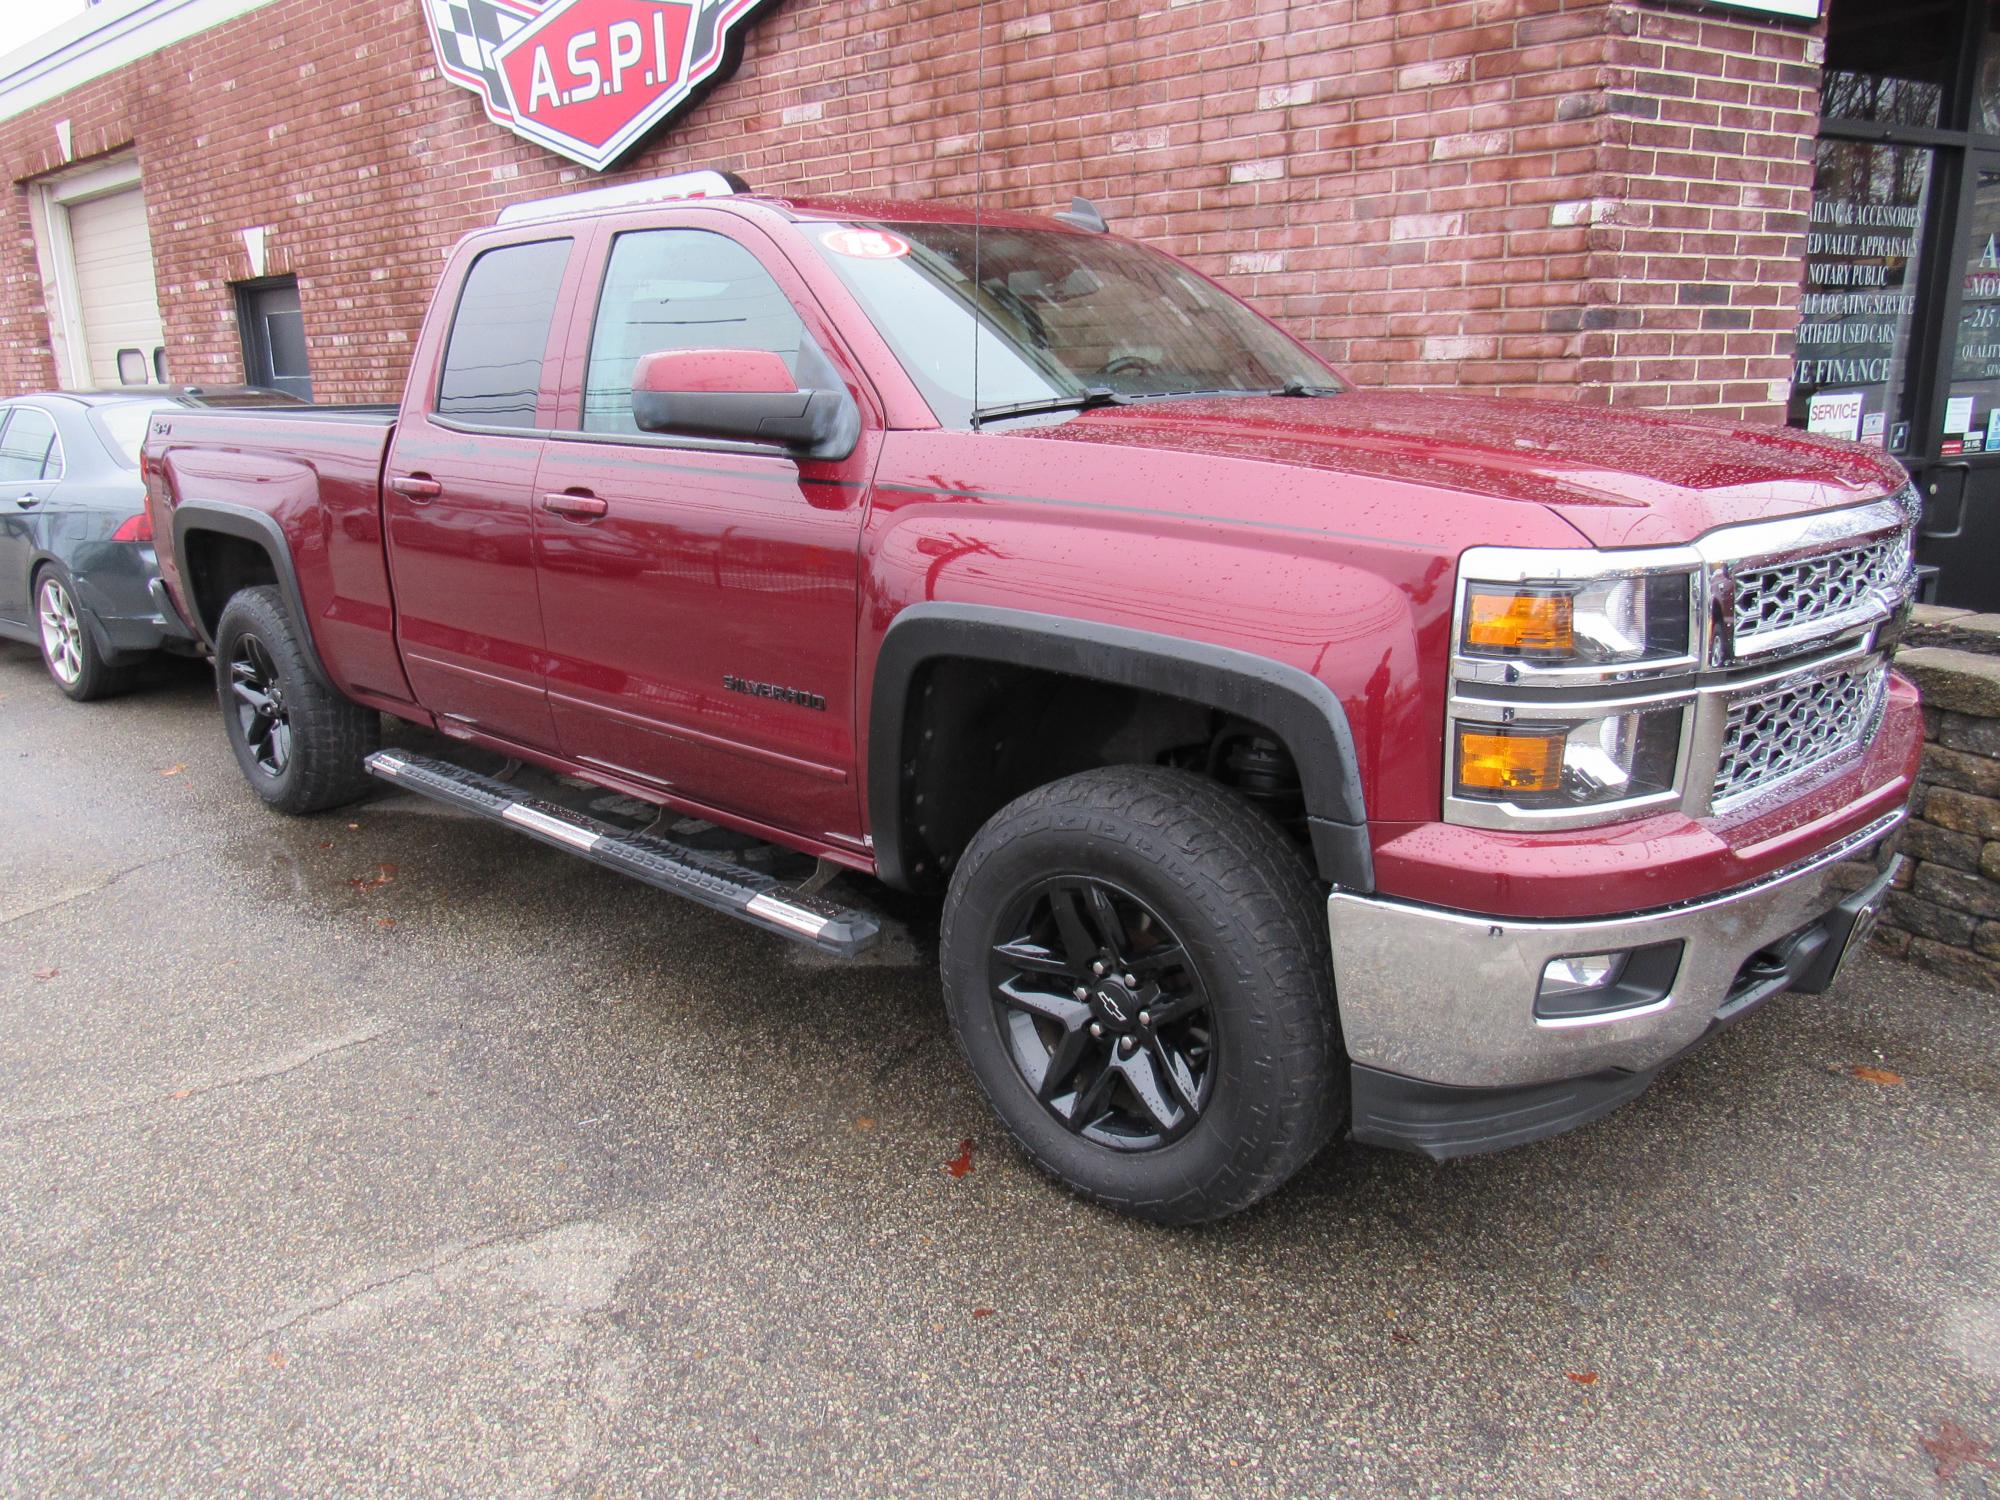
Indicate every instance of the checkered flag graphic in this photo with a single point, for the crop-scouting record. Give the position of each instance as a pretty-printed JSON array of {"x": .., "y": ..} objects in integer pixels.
[{"x": 468, "y": 33}]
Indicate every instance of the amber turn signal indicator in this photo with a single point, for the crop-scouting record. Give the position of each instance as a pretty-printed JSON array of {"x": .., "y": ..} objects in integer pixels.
[
  {"x": 1509, "y": 761},
  {"x": 1519, "y": 622}
]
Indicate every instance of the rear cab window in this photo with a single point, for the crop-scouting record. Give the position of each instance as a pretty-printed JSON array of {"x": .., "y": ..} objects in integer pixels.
[{"x": 491, "y": 373}]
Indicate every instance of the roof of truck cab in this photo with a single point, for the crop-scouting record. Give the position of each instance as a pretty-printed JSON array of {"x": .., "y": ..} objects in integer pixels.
[{"x": 899, "y": 211}]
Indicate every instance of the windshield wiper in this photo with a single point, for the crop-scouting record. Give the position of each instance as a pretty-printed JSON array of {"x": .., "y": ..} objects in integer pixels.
[
  {"x": 1289, "y": 388},
  {"x": 1085, "y": 400}
]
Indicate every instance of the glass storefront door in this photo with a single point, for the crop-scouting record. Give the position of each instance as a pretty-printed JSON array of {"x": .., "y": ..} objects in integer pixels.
[{"x": 1899, "y": 319}]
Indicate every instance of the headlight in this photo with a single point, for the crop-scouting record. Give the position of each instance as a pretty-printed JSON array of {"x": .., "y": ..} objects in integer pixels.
[
  {"x": 1549, "y": 766},
  {"x": 1585, "y": 622}
]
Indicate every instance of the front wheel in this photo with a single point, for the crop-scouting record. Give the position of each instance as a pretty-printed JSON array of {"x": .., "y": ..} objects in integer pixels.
[
  {"x": 1137, "y": 969},
  {"x": 300, "y": 743}
]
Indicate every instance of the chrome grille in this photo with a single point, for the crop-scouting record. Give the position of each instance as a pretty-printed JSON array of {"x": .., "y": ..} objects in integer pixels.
[
  {"x": 1823, "y": 588},
  {"x": 1773, "y": 735}
]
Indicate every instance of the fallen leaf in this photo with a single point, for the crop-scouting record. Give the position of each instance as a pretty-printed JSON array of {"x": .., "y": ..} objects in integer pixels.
[
  {"x": 960, "y": 1164},
  {"x": 352, "y": 826},
  {"x": 864, "y": 1122},
  {"x": 173, "y": 770},
  {"x": 982, "y": 1312},
  {"x": 327, "y": 844},
  {"x": 384, "y": 875},
  {"x": 47, "y": 973},
  {"x": 1401, "y": 1337},
  {"x": 1953, "y": 1448},
  {"x": 385, "y": 921},
  {"x": 1875, "y": 1075},
  {"x": 278, "y": 1358},
  {"x": 181, "y": 1094},
  {"x": 1582, "y": 1377}
]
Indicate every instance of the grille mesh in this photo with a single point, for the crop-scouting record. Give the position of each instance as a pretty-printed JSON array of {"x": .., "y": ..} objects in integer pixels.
[
  {"x": 1775, "y": 735},
  {"x": 1818, "y": 588}
]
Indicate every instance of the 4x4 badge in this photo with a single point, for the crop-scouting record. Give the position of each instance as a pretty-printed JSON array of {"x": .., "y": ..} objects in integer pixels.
[{"x": 586, "y": 78}]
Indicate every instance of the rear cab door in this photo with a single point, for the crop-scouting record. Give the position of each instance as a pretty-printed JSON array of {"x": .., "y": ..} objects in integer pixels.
[
  {"x": 459, "y": 490},
  {"x": 701, "y": 628}
]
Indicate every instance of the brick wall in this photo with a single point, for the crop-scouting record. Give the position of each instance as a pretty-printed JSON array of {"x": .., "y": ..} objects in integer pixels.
[{"x": 1589, "y": 200}]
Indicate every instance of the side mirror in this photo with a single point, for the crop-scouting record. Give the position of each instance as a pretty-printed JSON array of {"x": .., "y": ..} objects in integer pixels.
[{"x": 747, "y": 395}]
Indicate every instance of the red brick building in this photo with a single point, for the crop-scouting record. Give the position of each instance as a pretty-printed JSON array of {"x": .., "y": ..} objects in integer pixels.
[{"x": 1586, "y": 200}]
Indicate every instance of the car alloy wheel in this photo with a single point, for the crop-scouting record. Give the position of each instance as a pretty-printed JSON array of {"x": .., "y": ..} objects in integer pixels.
[
  {"x": 260, "y": 708},
  {"x": 62, "y": 632},
  {"x": 1103, "y": 1013}
]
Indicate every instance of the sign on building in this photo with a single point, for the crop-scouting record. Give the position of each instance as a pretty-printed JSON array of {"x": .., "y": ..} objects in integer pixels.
[{"x": 588, "y": 79}]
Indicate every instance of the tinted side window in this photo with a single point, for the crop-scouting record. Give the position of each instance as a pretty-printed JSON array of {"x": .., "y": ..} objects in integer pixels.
[
  {"x": 28, "y": 447},
  {"x": 493, "y": 359},
  {"x": 679, "y": 289}
]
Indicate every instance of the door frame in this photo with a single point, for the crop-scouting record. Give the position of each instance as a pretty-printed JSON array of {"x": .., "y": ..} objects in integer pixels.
[{"x": 49, "y": 202}]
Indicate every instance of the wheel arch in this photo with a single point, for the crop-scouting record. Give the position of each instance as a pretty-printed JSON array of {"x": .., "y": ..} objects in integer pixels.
[
  {"x": 208, "y": 591},
  {"x": 1291, "y": 703}
]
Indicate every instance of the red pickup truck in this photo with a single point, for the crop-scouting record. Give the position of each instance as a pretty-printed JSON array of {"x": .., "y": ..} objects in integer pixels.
[{"x": 1288, "y": 759}]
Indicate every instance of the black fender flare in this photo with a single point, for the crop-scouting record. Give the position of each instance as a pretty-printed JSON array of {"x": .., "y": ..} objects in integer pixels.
[
  {"x": 220, "y": 516},
  {"x": 1293, "y": 704}
]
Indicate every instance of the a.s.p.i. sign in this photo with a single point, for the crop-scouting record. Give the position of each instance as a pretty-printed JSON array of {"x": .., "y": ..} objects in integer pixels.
[{"x": 586, "y": 78}]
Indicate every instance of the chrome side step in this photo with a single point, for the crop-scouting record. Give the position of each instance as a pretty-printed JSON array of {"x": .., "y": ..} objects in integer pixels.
[{"x": 714, "y": 881}]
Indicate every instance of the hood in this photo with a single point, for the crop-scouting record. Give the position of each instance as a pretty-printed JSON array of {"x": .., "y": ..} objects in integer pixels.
[{"x": 1622, "y": 479}]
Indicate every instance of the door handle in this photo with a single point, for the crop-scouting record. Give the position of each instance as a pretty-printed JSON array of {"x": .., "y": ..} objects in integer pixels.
[
  {"x": 576, "y": 507},
  {"x": 28, "y": 502},
  {"x": 418, "y": 487}
]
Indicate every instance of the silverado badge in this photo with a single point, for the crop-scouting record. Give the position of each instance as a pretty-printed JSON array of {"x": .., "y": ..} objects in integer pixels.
[{"x": 586, "y": 78}]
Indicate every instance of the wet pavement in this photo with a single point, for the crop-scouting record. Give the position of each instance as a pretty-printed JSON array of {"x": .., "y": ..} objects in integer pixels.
[{"x": 386, "y": 1151}]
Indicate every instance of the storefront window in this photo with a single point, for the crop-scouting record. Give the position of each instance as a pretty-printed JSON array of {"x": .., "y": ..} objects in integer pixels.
[
  {"x": 1972, "y": 414},
  {"x": 1857, "y": 314},
  {"x": 1986, "y": 116},
  {"x": 1889, "y": 63}
]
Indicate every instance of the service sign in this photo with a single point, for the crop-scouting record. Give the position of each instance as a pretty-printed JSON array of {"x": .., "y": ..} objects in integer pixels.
[{"x": 586, "y": 78}]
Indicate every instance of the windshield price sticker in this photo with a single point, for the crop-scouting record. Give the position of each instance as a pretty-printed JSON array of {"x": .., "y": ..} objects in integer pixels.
[{"x": 866, "y": 244}]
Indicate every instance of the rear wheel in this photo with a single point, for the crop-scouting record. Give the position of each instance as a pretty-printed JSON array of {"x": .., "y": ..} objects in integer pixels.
[
  {"x": 1136, "y": 967},
  {"x": 69, "y": 650},
  {"x": 299, "y": 742}
]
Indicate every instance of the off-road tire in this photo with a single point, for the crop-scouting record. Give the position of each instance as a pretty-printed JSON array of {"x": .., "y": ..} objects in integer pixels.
[
  {"x": 329, "y": 736},
  {"x": 95, "y": 674},
  {"x": 1250, "y": 915}
]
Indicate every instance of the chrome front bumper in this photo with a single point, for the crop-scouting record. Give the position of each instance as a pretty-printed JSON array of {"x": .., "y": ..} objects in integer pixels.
[{"x": 1449, "y": 998}]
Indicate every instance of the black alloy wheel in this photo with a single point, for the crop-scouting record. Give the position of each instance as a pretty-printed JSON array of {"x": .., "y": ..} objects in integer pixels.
[
  {"x": 302, "y": 746},
  {"x": 1136, "y": 967},
  {"x": 1103, "y": 1014},
  {"x": 259, "y": 705}
]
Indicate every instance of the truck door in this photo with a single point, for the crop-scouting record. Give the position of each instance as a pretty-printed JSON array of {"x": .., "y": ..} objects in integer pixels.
[
  {"x": 700, "y": 605},
  {"x": 459, "y": 498}
]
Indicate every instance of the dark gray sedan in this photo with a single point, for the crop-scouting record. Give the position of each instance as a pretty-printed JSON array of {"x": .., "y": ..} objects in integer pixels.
[{"x": 77, "y": 571}]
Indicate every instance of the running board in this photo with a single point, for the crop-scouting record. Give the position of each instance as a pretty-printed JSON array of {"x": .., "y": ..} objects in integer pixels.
[{"x": 714, "y": 881}]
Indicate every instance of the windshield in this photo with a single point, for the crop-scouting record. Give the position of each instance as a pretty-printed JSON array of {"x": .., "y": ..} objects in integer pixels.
[
  {"x": 123, "y": 425},
  {"x": 1060, "y": 315}
]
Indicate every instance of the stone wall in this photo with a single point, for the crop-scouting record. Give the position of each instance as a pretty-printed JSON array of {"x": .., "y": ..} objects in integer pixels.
[{"x": 1946, "y": 915}]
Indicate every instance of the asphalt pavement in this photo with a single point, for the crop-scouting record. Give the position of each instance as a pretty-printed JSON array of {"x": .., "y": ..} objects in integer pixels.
[{"x": 386, "y": 1152}]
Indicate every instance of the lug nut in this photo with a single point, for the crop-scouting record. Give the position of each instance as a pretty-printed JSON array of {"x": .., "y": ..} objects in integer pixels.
[
  {"x": 1145, "y": 1018},
  {"x": 1127, "y": 1045},
  {"x": 1098, "y": 967},
  {"x": 1095, "y": 1029},
  {"x": 1130, "y": 981},
  {"x": 1082, "y": 993}
]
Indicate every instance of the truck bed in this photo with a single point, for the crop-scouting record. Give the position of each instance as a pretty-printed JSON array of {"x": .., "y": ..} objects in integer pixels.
[{"x": 317, "y": 472}]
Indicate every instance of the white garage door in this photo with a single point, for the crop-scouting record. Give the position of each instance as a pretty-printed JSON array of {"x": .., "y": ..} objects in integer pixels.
[{"x": 114, "y": 284}]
